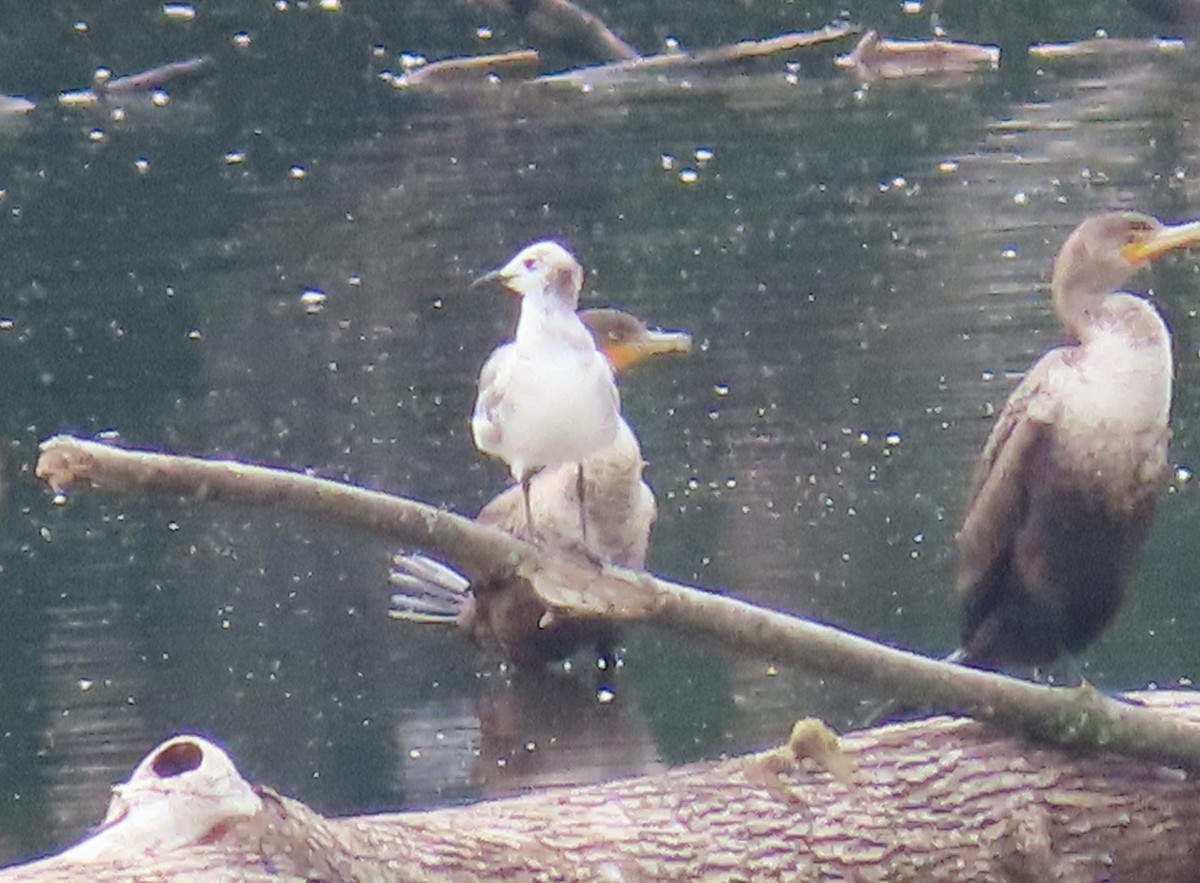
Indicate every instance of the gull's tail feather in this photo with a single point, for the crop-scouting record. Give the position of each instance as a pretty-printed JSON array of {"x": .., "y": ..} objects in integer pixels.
[{"x": 426, "y": 590}]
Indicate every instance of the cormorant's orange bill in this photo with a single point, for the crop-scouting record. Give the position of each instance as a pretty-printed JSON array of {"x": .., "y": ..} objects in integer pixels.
[
  {"x": 625, "y": 340},
  {"x": 1157, "y": 242},
  {"x": 627, "y": 353}
]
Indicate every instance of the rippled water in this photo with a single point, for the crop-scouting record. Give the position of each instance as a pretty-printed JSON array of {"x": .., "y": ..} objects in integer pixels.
[{"x": 864, "y": 271}]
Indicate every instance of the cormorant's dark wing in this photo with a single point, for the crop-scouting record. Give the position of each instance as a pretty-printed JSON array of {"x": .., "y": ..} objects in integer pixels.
[{"x": 999, "y": 500}]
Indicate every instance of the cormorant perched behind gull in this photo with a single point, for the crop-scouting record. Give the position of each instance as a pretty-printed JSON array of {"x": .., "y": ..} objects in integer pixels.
[{"x": 620, "y": 510}]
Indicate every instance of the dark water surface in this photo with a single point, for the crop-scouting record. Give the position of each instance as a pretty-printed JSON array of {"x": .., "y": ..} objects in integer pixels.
[{"x": 864, "y": 271}]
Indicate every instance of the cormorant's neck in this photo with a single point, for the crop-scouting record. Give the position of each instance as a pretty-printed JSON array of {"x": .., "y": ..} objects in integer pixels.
[{"x": 1076, "y": 307}]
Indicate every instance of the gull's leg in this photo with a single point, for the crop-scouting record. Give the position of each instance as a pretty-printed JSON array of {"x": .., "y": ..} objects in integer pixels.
[
  {"x": 579, "y": 496},
  {"x": 526, "y": 479}
]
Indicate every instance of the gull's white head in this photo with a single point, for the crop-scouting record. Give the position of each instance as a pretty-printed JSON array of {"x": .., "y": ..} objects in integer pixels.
[{"x": 544, "y": 268}]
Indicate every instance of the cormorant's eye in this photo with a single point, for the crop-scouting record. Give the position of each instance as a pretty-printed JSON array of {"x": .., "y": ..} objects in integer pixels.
[{"x": 1138, "y": 230}]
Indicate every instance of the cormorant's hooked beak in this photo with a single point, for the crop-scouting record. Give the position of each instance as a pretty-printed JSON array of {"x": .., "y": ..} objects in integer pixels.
[
  {"x": 653, "y": 343},
  {"x": 1158, "y": 242}
]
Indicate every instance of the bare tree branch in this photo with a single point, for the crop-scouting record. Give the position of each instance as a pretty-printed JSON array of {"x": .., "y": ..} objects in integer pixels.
[{"x": 574, "y": 586}]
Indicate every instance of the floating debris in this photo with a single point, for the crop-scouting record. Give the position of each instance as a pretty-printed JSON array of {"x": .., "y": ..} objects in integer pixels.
[
  {"x": 15, "y": 105},
  {"x": 1106, "y": 47},
  {"x": 152, "y": 80},
  {"x": 467, "y": 71},
  {"x": 720, "y": 59},
  {"x": 179, "y": 11},
  {"x": 876, "y": 58}
]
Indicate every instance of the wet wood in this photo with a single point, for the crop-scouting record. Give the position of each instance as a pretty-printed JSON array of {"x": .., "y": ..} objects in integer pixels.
[
  {"x": 936, "y": 800},
  {"x": 471, "y": 71},
  {"x": 721, "y": 59},
  {"x": 569, "y": 586},
  {"x": 105, "y": 86},
  {"x": 876, "y": 58},
  {"x": 1107, "y": 47},
  {"x": 565, "y": 26}
]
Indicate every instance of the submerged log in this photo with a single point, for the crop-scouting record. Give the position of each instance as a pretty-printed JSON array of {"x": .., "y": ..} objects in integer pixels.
[{"x": 937, "y": 800}]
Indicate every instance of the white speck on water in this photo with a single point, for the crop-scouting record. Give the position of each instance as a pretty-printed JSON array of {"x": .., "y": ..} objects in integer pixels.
[
  {"x": 160, "y": 98},
  {"x": 96, "y": 136},
  {"x": 297, "y": 173},
  {"x": 704, "y": 154},
  {"x": 330, "y": 5},
  {"x": 142, "y": 164},
  {"x": 483, "y": 33},
  {"x": 892, "y": 439},
  {"x": 81, "y": 26},
  {"x": 667, "y": 162},
  {"x": 235, "y": 157},
  {"x": 313, "y": 300},
  {"x": 86, "y": 684},
  {"x": 1021, "y": 198},
  {"x": 1008, "y": 254},
  {"x": 179, "y": 11},
  {"x": 241, "y": 39},
  {"x": 688, "y": 176},
  {"x": 1182, "y": 474}
]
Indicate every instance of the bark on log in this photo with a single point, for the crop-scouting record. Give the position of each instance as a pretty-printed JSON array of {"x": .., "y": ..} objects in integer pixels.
[
  {"x": 569, "y": 586},
  {"x": 937, "y": 800}
]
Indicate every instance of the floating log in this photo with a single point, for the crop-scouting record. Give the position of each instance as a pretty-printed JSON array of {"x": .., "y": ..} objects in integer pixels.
[
  {"x": 1107, "y": 47},
  {"x": 470, "y": 71},
  {"x": 717, "y": 60},
  {"x": 104, "y": 85},
  {"x": 936, "y": 800},
  {"x": 876, "y": 58},
  {"x": 564, "y": 25}
]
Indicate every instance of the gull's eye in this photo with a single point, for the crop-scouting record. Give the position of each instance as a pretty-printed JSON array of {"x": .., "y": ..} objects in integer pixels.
[{"x": 530, "y": 264}]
